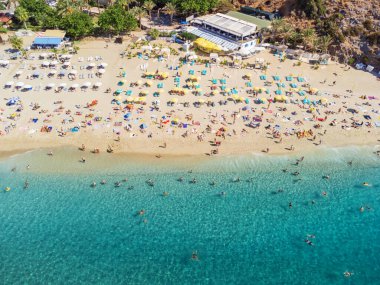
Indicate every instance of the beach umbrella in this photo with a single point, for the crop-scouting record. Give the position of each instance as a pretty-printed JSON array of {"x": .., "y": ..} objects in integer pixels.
[
  {"x": 143, "y": 126},
  {"x": 139, "y": 82},
  {"x": 50, "y": 85},
  {"x": 149, "y": 83},
  {"x": 20, "y": 84},
  {"x": 19, "y": 72},
  {"x": 130, "y": 99},
  {"x": 86, "y": 84},
  {"x": 98, "y": 84},
  {"x": 62, "y": 85},
  {"x": 141, "y": 99},
  {"x": 174, "y": 100},
  {"x": 201, "y": 101},
  {"x": 9, "y": 83},
  {"x": 66, "y": 64},
  {"x": 27, "y": 87},
  {"x": 62, "y": 73},
  {"x": 101, "y": 71},
  {"x": 52, "y": 72},
  {"x": 91, "y": 65},
  {"x": 73, "y": 72},
  {"x": 74, "y": 86},
  {"x": 45, "y": 63},
  {"x": 54, "y": 62},
  {"x": 103, "y": 64},
  {"x": 144, "y": 92},
  {"x": 43, "y": 55}
]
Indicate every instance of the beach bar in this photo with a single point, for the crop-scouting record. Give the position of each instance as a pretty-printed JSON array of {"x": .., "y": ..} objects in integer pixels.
[{"x": 50, "y": 39}]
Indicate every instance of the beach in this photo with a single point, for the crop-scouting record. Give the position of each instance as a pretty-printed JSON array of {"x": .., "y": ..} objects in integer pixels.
[{"x": 235, "y": 122}]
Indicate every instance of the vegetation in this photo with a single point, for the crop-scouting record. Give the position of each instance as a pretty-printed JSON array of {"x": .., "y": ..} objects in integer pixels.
[
  {"x": 115, "y": 19},
  {"x": 77, "y": 24},
  {"x": 312, "y": 8},
  {"x": 154, "y": 33},
  {"x": 16, "y": 42},
  {"x": 22, "y": 15}
]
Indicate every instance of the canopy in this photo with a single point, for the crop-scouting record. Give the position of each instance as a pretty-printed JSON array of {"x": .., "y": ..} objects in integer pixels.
[{"x": 207, "y": 46}]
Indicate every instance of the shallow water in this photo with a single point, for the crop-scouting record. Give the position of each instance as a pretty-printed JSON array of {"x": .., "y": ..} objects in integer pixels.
[{"x": 62, "y": 231}]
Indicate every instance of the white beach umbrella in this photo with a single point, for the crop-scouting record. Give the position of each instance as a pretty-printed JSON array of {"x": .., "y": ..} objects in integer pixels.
[
  {"x": 98, "y": 84},
  {"x": 73, "y": 72},
  {"x": 5, "y": 62},
  {"x": 104, "y": 64},
  {"x": 45, "y": 63},
  {"x": 9, "y": 83},
  {"x": 62, "y": 85},
  {"x": 66, "y": 63},
  {"x": 52, "y": 72},
  {"x": 43, "y": 55},
  {"x": 54, "y": 62},
  {"x": 18, "y": 72},
  {"x": 86, "y": 84},
  {"x": 50, "y": 85},
  {"x": 27, "y": 87},
  {"x": 20, "y": 84},
  {"x": 101, "y": 71},
  {"x": 92, "y": 64},
  {"x": 75, "y": 85},
  {"x": 90, "y": 58}
]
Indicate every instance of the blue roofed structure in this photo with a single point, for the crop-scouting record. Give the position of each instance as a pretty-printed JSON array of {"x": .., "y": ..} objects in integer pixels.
[{"x": 46, "y": 42}]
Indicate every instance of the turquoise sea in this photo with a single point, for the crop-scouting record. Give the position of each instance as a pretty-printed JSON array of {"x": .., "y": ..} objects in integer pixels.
[{"x": 60, "y": 230}]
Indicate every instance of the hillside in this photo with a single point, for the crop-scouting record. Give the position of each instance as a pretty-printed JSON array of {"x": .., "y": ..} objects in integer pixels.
[{"x": 354, "y": 25}]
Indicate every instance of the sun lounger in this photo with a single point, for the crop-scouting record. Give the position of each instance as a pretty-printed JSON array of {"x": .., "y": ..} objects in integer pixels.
[
  {"x": 293, "y": 85},
  {"x": 301, "y": 79},
  {"x": 288, "y": 78},
  {"x": 276, "y": 78},
  {"x": 263, "y": 77}
]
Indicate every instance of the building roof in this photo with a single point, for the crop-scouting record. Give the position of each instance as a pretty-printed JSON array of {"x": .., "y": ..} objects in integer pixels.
[
  {"x": 229, "y": 24},
  {"x": 47, "y": 41},
  {"x": 260, "y": 23},
  {"x": 221, "y": 41},
  {"x": 5, "y": 19},
  {"x": 54, "y": 34}
]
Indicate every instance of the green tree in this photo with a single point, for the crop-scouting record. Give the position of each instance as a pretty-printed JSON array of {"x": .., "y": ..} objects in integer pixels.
[
  {"x": 309, "y": 38},
  {"x": 224, "y": 6},
  {"x": 16, "y": 42},
  {"x": 312, "y": 8},
  {"x": 77, "y": 24},
  {"x": 126, "y": 3},
  {"x": 324, "y": 43},
  {"x": 170, "y": 9},
  {"x": 66, "y": 7},
  {"x": 116, "y": 20},
  {"x": 195, "y": 6},
  {"x": 40, "y": 13},
  {"x": 154, "y": 33},
  {"x": 139, "y": 13},
  {"x": 22, "y": 15},
  {"x": 149, "y": 6}
]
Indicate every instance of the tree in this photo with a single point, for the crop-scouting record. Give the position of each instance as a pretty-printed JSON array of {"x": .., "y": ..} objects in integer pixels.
[
  {"x": 116, "y": 19},
  {"x": 154, "y": 33},
  {"x": 309, "y": 38},
  {"x": 312, "y": 8},
  {"x": 224, "y": 6},
  {"x": 324, "y": 43},
  {"x": 77, "y": 24},
  {"x": 126, "y": 3},
  {"x": 139, "y": 13},
  {"x": 170, "y": 9},
  {"x": 66, "y": 7},
  {"x": 149, "y": 6},
  {"x": 195, "y": 6},
  {"x": 39, "y": 12},
  {"x": 16, "y": 42},
  {"x": 22, "y": 15}
]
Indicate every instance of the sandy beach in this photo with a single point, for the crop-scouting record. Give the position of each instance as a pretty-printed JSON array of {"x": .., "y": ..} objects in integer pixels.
[{"x": 236, "y": 120}]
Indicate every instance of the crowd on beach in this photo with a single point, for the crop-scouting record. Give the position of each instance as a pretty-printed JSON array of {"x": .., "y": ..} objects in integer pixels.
[{"x": 161, "y": 97}]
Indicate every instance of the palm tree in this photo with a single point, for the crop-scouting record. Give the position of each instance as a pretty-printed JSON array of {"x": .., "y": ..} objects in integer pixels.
[
  {"x": 309, "y": 38},
  {"x": 66, "y": 7},
  {"x": 22, "y": 15},
  {"x": 170, "y": 9},
  {"x": 149, "y": 5},
  {"x": 126, "y": 3},
  {"x": 324, "y": 43},
  {"x": 139, "y": 13}
]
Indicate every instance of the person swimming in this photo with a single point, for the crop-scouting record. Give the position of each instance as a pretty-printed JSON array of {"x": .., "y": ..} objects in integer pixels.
[
  {"x": 348, "y": 274},
  {"x": 212, "y": 183},
  {"x": 193, "y": 181},
  {"x": 365, "y": 184},
  {"x": 117, "y": 184},
  {"x": 222, "y": 194},
  {"x": 165, "y": 194},
  {"x": 290, "y": 205},
  {"x": 93, "y": 184},
  {"x": 141, "y": 212},
  {"x": 309, "y": 242},
  {"x": 326, "y": 176},
  {"x": 180, "y": 179},
  {"x": 103, "y": 182},
  {"x": 26, "y": 184},
  {"x": 194, "y": 256},
  {"x": 131, "y": 187}
]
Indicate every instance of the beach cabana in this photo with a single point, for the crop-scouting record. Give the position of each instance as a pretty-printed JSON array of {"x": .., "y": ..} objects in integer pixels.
[
  {"x": 8, "y": 84},
  {"x": 27, "y": 88}
]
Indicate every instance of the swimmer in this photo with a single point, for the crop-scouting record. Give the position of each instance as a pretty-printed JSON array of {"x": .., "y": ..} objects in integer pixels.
[
  {"x": 280, "y": 190},
  {"x": 28, "y": 166},
  {"x": 194, "y": 256},
  {"x": 365, "y": 184},
  {"x": 326, "y": 177},
  {"x": 348, "y": 274},
  {"x": 26, "y": 184},
  {"x": 223, "y": 194},
  {"x": 361, "y": 209},
  {"x": 193, "y": 181},
  {"x": 349, "y": 163},
  {"x": 165, "y": 194},
  {"x": 180, "y": 179},
  {"x": 324, "y": 193},
  {"x": 237, "y": 179},
  {"x": 50, "y": 153},
  {"x": 83, "y": 160},
  {"x": 310, "y": 236},
  {"x": 141, "y": 212},
  {"x": 131, "y": 187},
  {"x": 117, "y": 184},
  {"x": 13, "y": 169},
  {"x": 284, "y": 170},
  {"x": 93, "y": 184},
  {"x": 103, "y": 182},
  {"x": 290, "y": 205},
  {"x": 296, "y": 173},
  {"x": 212, "y": 183},
  {"x": 125, "y": 179},
  {"x": 309, "y": 242}
]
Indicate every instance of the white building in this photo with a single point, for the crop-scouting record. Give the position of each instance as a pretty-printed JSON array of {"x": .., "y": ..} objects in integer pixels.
[{"x": 230, "y": 33}]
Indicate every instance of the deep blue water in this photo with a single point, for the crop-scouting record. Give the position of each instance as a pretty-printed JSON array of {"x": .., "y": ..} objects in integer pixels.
[{"x": 62, "y": 231}]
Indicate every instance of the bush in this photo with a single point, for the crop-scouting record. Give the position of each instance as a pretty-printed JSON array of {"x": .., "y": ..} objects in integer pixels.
[
  {"x": 154, "y": 33},
  {"x": 187, "y": 36},
  {"x": 3, "y": 30}
]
